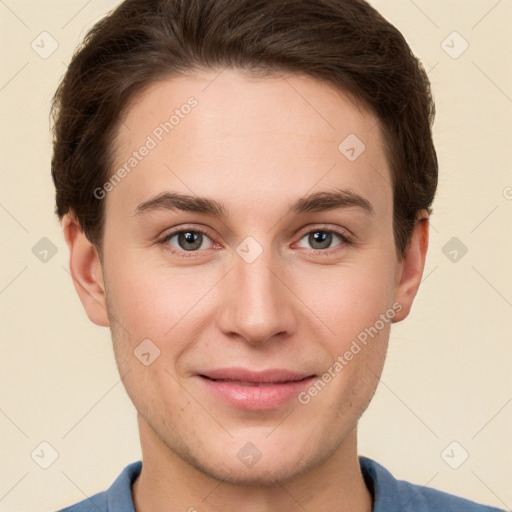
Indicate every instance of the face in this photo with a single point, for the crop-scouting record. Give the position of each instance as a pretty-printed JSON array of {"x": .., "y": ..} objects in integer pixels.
[{"x": 258, "y": 310}]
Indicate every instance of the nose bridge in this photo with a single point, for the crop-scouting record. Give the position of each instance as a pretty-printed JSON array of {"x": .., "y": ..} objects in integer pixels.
[{"x": 256, "y": 304}]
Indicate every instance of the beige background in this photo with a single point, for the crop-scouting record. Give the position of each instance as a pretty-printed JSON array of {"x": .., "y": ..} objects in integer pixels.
[{"x": 448, "y": 373}]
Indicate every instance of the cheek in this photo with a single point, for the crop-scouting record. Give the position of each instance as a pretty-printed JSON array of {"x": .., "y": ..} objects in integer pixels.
[
  {"x": 168, "y": 306},
  {"x": 354, "y": 303},
  {"x": 151, "y": 330},
  {"x": 348, "y": 298},
  {"x": 153, "y": 300}
]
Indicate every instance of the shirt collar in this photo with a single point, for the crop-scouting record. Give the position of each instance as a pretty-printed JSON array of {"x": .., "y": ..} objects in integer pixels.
[
  {"x": 119, "y": 495},
  {"x": 381, "y": 484},
  {"x": 378, "y": 479}
]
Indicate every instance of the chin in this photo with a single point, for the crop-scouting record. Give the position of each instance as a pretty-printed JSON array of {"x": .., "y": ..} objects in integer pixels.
[{"x": 267, "y": 473}]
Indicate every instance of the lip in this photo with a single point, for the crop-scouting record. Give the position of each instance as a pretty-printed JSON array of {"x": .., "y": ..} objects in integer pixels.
[{"x": 253, "y": 390}]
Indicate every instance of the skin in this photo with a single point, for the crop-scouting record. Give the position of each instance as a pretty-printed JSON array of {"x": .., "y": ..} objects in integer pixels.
[{"x": 255, "y": 145}]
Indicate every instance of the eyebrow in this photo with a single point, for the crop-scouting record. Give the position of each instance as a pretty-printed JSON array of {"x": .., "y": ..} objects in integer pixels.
[{"x": 317, "y": 202}]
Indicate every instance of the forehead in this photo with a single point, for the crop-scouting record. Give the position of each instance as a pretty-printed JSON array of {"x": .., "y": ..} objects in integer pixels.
[{"x": 276, "y": 137}]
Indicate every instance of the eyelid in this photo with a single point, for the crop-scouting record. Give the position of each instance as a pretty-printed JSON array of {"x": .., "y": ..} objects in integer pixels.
[
  {"x": 338, "y": 230},
  {"x": 187, "y": 227}
]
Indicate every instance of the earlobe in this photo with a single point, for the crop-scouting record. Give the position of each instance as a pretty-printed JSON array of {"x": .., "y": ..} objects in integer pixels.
[
  {"x": 412, "y": 266},
  {"x": 86, "y": 271}
]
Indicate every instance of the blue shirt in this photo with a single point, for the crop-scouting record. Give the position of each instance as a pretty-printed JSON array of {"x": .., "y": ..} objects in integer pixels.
[{"x": 389, "y": 494}]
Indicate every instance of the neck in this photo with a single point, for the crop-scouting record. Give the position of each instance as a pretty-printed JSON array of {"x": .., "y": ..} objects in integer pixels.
[{"x": 168, "y": 482}]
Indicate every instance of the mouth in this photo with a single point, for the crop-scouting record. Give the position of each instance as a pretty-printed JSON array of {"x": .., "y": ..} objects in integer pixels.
[{"x": 252, "y": 390}]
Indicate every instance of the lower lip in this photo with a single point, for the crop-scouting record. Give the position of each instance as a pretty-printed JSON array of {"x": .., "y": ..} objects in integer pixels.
[{"x": 256, "y": 397}]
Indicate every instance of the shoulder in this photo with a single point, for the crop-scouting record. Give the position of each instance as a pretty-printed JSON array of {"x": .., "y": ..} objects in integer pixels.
[
  {"x": 428, "y": 499},
  {"x": 117, "y": 498},
  {"x": 392, "y": 494}
]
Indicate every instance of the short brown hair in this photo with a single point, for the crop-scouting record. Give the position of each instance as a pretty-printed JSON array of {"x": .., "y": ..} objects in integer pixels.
[{"x": 343, "y": 42}]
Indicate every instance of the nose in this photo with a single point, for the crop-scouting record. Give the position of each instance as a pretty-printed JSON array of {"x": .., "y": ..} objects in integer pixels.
[{"x": 258, "y": 304}]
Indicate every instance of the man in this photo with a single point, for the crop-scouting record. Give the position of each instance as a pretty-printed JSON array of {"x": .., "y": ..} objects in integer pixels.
[{"x": 245, "y": 190}]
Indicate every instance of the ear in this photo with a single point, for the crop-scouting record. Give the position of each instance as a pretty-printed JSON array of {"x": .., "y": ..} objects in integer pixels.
[
  {"x": 410, "y": 268},
  {"x": 86, "y": 271}
]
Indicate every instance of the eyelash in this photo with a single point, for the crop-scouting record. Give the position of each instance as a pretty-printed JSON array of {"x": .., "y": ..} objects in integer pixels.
[{"x": 345, "y": 240}]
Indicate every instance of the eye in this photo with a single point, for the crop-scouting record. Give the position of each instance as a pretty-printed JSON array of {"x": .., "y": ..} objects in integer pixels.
[
  {"x": 321, "y": 239},
  {"x": 187, "y": 240}
]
